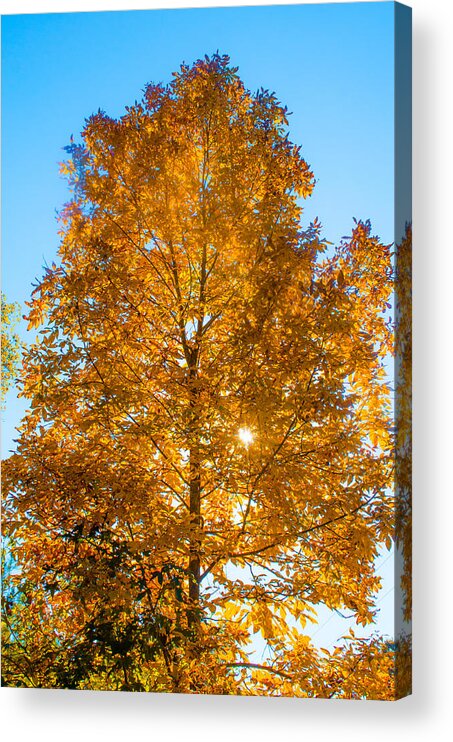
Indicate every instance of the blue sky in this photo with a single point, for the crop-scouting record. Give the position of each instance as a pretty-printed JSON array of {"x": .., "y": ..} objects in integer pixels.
[{"x": 331, "y": 64}]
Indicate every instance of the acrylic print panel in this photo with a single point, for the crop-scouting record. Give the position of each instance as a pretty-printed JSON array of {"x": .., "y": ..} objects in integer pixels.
[{"x": 207, "y": 445}]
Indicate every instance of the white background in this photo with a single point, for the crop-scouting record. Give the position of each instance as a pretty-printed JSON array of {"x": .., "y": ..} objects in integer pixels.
[{"x": 84, "y": 716}]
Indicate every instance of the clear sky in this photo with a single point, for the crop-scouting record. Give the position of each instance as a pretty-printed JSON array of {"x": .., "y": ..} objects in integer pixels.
[{"x": 331, "y": 64}]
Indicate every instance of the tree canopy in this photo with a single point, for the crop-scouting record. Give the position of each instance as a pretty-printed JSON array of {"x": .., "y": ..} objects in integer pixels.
[{"x": 208, "y": 453}]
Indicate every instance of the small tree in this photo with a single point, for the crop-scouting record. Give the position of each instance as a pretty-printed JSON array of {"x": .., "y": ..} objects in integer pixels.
[
  {"x": 207, "y": 453},
  {"x": 10, "y": 346}
]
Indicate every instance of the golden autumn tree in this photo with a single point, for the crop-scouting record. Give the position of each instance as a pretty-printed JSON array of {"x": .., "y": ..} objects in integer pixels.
[{"x": 208, "y": 451}]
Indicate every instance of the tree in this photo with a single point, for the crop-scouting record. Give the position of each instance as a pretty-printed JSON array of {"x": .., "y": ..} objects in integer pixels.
[
  {"x": 208, "y": 450},
  {"x": 9, "y": 345}
]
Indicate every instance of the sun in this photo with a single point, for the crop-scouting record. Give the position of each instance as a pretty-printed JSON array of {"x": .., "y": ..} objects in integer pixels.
[{"x": 246, "y": 436}]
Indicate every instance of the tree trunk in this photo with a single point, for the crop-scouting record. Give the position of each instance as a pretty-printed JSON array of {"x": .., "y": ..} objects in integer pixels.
[{"x": 193, "y": 612}]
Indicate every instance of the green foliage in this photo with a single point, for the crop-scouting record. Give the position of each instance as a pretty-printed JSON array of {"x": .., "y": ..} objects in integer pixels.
[{"x": 10, "y": 345}]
